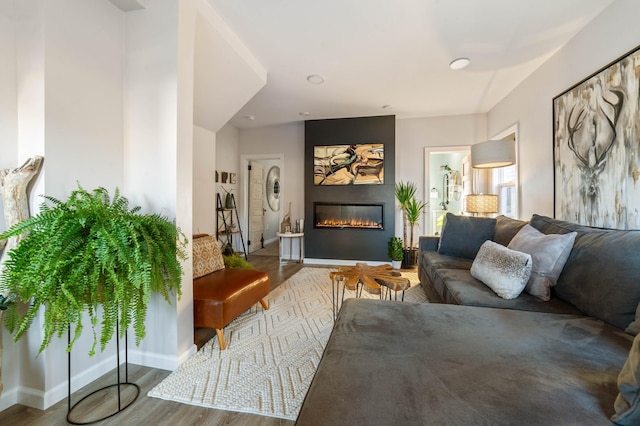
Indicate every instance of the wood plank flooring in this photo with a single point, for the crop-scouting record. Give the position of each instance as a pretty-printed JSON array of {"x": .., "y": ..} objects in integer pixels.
[{"x": 145, "y": 410}]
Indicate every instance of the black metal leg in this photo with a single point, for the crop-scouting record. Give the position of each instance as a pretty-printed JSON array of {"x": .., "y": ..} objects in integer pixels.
[{"x": 118, "y": 384}]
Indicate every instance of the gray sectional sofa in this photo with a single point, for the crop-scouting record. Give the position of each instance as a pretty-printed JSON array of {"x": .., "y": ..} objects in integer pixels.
[{"x": 473, "y": 358}]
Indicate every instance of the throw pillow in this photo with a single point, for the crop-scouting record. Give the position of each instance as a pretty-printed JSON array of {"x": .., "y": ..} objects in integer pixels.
[
  {"x": 627, "y": 403},
  {"x": 462, "y": 236},
  {"x": 549, "y": 253},
  {"x": 634, "y": 327},
  {"x": 506, "y": 229},
  {"x": 207, "y": 256},
  {"x": 503, "y": 270}
]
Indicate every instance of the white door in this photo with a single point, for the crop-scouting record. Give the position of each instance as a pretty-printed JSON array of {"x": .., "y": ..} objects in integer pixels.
[{"x": 256, "y": 207}]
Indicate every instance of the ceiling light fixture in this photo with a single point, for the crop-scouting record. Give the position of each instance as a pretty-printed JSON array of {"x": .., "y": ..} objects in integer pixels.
[
  {"x": 459, "y": 63},
  {"x": 250, "y": 117},
  {"x": 315, "y": 79},
  {"x": 386, "y": 107},
  {"x": 304, "y": 113}
]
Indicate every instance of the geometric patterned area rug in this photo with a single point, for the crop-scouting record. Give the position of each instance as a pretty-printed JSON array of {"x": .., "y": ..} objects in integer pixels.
[{"x": 271, "y": 355}]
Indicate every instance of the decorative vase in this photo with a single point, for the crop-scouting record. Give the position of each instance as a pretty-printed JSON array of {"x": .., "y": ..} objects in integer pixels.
[
  {"x": 228, "y": 201},
  {"x": 397, "y": 264}
]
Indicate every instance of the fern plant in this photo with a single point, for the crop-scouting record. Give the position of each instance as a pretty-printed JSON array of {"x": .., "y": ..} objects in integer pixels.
[
  {"x": 235, "y": 261},
  {"x": 88, "y": 252}
]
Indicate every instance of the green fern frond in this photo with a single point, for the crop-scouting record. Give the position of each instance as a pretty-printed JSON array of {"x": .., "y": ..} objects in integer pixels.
[{"x": 91, "y": 251}]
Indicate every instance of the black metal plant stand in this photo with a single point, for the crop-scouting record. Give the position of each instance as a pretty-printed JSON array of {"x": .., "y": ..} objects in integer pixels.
[{"x": 119, "y": 384}]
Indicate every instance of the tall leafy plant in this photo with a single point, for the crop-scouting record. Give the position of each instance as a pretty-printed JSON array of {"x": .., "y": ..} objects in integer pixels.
[
  {"x": 414, "y": 209},
  {"x": 404, "y": 193},
  {"x": 86, "y": 253}
]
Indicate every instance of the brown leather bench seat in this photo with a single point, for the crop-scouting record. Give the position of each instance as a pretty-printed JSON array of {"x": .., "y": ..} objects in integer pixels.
[{"x": 222, "y": 295}]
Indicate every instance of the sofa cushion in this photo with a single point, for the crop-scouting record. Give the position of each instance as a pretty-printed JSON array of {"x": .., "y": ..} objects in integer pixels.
[
  {"x": 627, "y": 403},
  {"x": 549, "y": 254},
  {"x": 435, "y": 260},
  {"x": 457, "y": 286},
  {"x": 426, "y": 364},
  {"x": 603, "y": 265},
  {"x": 503, "y": 270},
  {"x": 462, "y": 236},
  {"x": 506, "y": 229},
  {"x": 207, "y": 256}
]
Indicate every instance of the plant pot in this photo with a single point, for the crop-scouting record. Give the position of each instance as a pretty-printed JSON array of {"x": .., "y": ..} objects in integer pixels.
[
  {"x": 396, "y": 264},
  {"x": 410, "y": 259}
]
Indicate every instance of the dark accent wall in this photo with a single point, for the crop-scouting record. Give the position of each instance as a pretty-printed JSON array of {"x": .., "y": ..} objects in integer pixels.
[{"x": 356, "y": 244}]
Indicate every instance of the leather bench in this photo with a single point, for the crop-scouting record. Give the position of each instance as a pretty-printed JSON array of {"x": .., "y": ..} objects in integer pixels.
[{"x": 221, "y": 294}]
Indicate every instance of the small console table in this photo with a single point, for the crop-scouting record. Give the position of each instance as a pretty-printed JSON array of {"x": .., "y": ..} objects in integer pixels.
[{"x": 291, "y": 236}]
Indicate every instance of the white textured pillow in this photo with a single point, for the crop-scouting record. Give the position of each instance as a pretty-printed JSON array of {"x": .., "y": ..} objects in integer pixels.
[
  {"x": 503, "y": 270},
  {"x": 549, "y": 253}
]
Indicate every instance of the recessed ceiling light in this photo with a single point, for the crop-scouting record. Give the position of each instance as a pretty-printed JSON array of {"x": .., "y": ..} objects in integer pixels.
[
  {"x": 304, "y": 113},
  {"x": 386, "y": 107},
  {"x": 459, "y": 63},
  {"x": 250, "y": 117},
  {"x": 315, "y": 79}
]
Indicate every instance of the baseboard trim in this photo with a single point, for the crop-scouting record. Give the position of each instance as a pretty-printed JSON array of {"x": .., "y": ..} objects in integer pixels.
[
  {"x": 36, "y": 398},
  {"x": 162, "y": 362},
  {"x": 8, "y": 398},
  {"x": 341, "y": 262}
]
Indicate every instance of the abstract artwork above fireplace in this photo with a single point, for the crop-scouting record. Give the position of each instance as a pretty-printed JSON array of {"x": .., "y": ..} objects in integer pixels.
[{"x": 357, "y": 164}]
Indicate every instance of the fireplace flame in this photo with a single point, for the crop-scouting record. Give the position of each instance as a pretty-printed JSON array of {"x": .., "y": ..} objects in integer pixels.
[{"x": 348, "y": 223}]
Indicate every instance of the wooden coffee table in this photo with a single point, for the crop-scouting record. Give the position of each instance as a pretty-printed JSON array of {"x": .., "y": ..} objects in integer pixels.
[{"x": 368, "y": 277}]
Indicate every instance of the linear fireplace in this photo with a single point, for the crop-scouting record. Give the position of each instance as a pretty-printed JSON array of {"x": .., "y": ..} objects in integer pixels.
[{"x": 347, "y": 216}]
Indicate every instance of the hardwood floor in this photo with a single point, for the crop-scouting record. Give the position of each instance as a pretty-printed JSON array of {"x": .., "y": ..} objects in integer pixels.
[{"x": 146, "y": 410}]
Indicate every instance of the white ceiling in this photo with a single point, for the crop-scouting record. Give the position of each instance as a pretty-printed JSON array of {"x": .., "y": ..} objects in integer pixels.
[{"x": 385, "y": 52}]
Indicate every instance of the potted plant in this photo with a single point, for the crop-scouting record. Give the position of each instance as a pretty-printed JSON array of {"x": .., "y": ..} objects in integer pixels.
[
  {"x": 413, "y": 210},
  {"x": 404, "y": 193},
  {"x": 90, "y": 256},
  {"x": 395, "y": 252}
]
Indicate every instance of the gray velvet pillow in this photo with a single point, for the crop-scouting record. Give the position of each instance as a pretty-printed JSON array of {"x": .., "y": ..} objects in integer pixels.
[
  {"x": 503, "y": 270},
  {"x": 549, "y": 254},
  {"x": 627, "y": 404},
  {"x": 462, "y": 236}
]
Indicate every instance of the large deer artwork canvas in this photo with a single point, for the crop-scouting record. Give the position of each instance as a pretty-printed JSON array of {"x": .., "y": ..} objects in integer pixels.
[{"x": 596, "y": 149}]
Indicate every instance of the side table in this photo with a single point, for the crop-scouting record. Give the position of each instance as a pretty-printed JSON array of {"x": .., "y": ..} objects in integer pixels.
[
  {"x": 291, "y": 236},
  {"x": 370, "y": 277}
]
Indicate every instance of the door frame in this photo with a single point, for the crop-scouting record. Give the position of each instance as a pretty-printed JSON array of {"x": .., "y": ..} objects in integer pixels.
[
  {"x": 443, "y": 149},
  {"x": 244, "y": 185}
]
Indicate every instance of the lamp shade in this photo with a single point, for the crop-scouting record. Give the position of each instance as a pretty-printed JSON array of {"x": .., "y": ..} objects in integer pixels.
[
  {"x": 482, "y": 203},
  {"x": 493, "y": 153}
]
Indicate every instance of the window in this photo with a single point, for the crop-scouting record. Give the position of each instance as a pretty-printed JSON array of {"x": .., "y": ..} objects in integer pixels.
[{"x": 505, "y": 183}]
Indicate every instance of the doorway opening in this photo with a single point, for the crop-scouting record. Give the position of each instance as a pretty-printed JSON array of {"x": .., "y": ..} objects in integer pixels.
[
  {"x": 447, "y": 179},
  {"x": 261, "y": 198}
]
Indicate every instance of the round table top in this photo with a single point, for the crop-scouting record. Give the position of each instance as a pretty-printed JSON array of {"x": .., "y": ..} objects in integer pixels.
[{"x": 290, "y": 234}]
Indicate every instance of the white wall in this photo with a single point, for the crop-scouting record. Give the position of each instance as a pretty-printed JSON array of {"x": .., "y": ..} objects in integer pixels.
[
  {"x": 610, "y": 35},
  {"x": 8, "y": 159},
  {"x": 8, "y": 90},
  {"x": 414, "y": 134},
  {"x": 151, "y": 137},
  {"x": 71, "y": 114},
  {"x": 287, "y": 139},
  {"x": 204, "y": 186}
]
